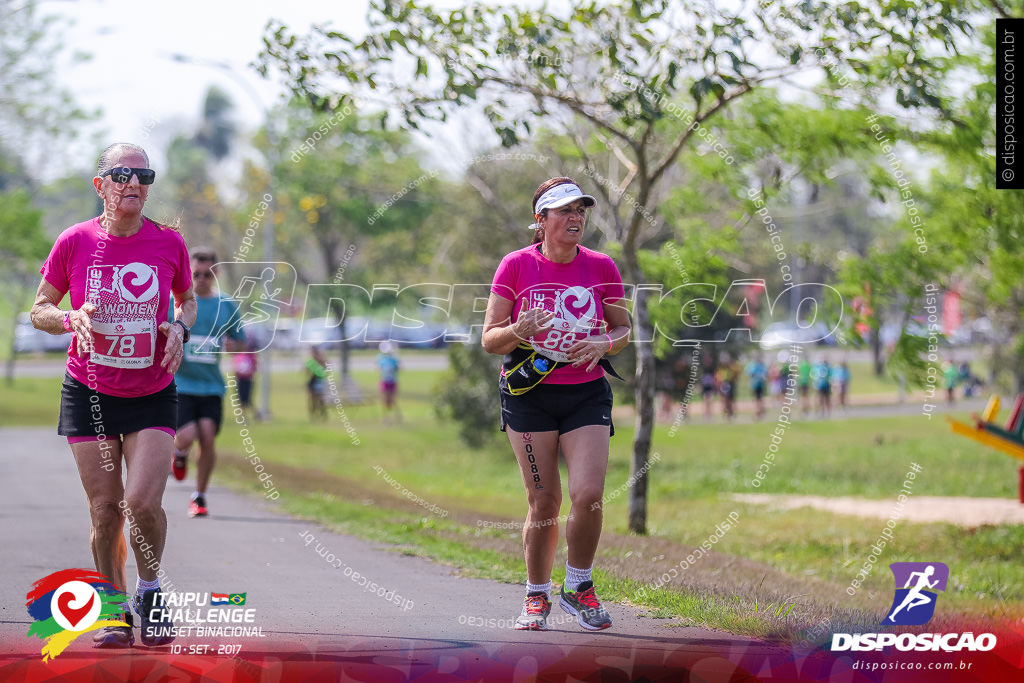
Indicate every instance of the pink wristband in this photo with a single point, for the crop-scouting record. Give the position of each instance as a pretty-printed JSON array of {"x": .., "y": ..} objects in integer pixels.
[
  {"x": 610, "y": 344},
  {"x": 67, "y": 321}
]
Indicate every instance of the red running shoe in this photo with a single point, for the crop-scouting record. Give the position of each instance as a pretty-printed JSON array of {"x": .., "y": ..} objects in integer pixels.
[
  {"x": 179, "y": 466},
  {"x": 535, "y": 613},
  {"x": 584, "y": 605},
  {"x": 197, "y": 508}
]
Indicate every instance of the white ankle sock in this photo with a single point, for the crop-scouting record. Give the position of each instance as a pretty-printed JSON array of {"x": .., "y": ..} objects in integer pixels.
[
  {"x": 543, "y": 587},
  {"x": 574, "y": 577},
  {"x": 142, "y": 586}
]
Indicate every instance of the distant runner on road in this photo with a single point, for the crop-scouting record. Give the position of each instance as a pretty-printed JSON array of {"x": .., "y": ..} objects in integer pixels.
[
  {"x": 200, "y": 382},
  {"x": 388, "y": 365}
]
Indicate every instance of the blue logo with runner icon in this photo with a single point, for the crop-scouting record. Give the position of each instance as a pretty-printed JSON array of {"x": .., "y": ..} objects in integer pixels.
[
  {"x": 264, "y": 291},
  {"x": 917, "y": 584}
]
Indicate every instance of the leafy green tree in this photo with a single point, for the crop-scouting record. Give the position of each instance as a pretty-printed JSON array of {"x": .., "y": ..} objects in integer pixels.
[
  {"x": 467, "y": 393},
  {"x": 36, "y": 113},
  {"x": 191, "y": 194},
  {"x": 976, "y": 229},
  {"x": 37, "y": 116},
  {"x": 950, "y": 226},
  {"x": 350, "y": 193},
  {"x": 23, "y": 247},
  {"x": 621, "y": 71},
  {"x": 887, "y": 284},
  {"x": 68, "y": 200},
  {"x": 217, "y": 130}
]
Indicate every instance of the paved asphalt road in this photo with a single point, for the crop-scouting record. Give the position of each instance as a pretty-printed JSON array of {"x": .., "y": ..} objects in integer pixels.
[
  {"x": 316, "y": 620},
  {"x": 320, "y": 624}
]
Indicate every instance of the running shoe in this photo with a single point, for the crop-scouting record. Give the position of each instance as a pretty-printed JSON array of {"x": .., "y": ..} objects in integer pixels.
[
  {"x": 179, "y": 466},
  {"x": 583, "y": 604},
  {"x": 111, "y": 637},
  {"x": 535, "y": 613},
  {"x": 197, "y": 508},
  {"x": 155, "y": 632}
]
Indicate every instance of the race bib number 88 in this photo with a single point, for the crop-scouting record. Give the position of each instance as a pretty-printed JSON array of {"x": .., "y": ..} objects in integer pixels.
[{"x": 557, "y": 344}]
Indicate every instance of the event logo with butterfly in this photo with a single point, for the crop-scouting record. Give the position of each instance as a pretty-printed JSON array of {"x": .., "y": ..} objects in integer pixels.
[{"x": 68, "y": 603}]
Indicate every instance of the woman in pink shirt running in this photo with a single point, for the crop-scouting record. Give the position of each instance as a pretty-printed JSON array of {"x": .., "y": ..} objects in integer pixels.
[
  {"x": 118, "y": 400},
  {"x": 556, "y": 310}
]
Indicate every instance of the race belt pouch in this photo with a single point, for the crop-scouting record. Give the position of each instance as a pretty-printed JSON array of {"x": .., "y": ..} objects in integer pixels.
[{"x": 525, "y": 368}]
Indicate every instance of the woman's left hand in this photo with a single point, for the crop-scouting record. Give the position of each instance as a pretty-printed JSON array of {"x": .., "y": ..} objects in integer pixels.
[
  {"x": 173, "y": 349},
  {"x": 588, "y": 351}
]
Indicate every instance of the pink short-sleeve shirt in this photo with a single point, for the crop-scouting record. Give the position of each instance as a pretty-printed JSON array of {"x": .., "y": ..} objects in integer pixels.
[
  {"x": 576, "y": 291},
  {"x": 130, "y": 280}
]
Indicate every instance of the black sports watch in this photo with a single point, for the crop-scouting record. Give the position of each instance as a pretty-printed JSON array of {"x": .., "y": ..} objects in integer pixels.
[{"x": 188, "y": 332}]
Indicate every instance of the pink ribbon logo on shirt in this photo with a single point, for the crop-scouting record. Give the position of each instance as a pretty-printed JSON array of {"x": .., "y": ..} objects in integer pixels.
[
  {"x": 576, "y": 306},
  {"x": 137, "y": 282}
]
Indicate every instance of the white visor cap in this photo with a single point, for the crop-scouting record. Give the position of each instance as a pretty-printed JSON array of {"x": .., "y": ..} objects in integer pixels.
[{"x": 560, "y": 195}]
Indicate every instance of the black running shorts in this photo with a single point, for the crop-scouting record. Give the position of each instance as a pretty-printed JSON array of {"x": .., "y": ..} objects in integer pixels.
[
  {"x": 192, "y": 407},
  {"x": 558, "y": 407},
  {"x": 88, "y": 413}
]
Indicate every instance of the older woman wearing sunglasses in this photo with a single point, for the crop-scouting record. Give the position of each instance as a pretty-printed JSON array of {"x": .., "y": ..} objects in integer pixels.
[{"x": 118, "y": 401}]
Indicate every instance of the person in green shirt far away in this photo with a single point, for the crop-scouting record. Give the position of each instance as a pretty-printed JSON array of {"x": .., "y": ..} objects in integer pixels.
[
  {"x": 316, "y": 383},
  {"x": 803, "y": 381}
]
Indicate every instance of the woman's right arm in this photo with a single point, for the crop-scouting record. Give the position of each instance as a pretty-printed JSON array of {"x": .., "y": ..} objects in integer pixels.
[
  {"x": 46, "y": 316},
  {"x": 501, "y": 335}
]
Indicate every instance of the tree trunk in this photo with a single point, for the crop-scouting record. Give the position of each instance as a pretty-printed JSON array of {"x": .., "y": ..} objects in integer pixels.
[
  {"x": 340, "y": 314},
  {"x": 9, "y": 370},
  {"x": 644, "y": 393},
  {"x": 876, "y": 351},
  {"x": 1017, "y": 359},
  {"x": 344, "y": 353},
  {"x": 644, "y": 414},
  {"x": 12, "y": 357}
]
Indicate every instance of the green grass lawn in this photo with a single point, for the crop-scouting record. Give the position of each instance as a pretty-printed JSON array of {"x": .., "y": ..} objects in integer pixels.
[{"x": 690, "y": 485}]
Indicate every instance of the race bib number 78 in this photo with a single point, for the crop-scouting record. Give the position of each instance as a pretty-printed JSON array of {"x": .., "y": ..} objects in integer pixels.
[{"x": 128, "y": 344}]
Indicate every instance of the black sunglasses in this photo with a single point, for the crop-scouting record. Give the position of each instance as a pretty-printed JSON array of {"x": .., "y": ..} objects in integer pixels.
[{"x": 123, "y": 174}]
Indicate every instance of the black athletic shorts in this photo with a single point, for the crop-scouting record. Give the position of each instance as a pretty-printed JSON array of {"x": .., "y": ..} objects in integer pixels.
[
  {"x": 86, "y": 413},
  {"x": 192, "y": 407},
  {"x": 558, "y": 407}
]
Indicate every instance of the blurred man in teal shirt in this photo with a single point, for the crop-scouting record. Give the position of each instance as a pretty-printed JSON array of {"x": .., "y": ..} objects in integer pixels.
[{"x": 201, "y": 385}]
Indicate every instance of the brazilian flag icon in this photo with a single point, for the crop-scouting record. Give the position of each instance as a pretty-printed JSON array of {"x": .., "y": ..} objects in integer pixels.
[{"x": 237, "y": 598}]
